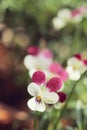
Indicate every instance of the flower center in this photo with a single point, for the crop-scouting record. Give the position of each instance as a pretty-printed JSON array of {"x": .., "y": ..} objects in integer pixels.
[
  {"x": 77, "y": 65},
  {"x": 38, "y": 99},
  {"x": 38, "y": 67},
  {"x": 74, "y": 67}
]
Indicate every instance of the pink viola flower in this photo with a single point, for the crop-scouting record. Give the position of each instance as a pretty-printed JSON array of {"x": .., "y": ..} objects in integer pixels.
[
  {"x": 77, "y": 14},
  {"x": 37, "y": 60},
  {"x": 76, "y": 66},
  {"x": 78, "y": 11},
  {"x": 43, "y": 92},
  {"x": 56, "y": 69}
]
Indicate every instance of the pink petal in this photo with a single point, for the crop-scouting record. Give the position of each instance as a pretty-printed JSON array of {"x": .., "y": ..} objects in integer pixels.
[
  {"x": 85, "y": 62},
  {"x": 54, "y": 84},
  {"x": 62, "y": 96},
  {"x": 78, "y": 11},
  {"x": 75, "y": 12},
  {"x": 39, "y": 77},
  {"x": 78, "y": 56},
  {"x": 63, "y": 74},
  {"x": 47, "y": 53},
  {"x": 55, "y": 67},
  {"x": 83, "y": 9},
  {"x": 33, "y": 50}
]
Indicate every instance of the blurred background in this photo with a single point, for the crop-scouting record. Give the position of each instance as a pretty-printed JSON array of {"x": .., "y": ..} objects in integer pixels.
[{"x": 30, "y": 22}]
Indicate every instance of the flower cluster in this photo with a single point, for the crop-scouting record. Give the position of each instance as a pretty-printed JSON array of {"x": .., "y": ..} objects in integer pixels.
[
  {"x": 76, "y": 65},
  {"x": 44, "y": 91},
  {"x": 43, "y": 60},
  {"x": 48, "y": 77},
  {"x": 66, "y": 16}
]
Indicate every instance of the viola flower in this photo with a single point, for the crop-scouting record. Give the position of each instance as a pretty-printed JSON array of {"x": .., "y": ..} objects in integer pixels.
[
  {"x": 76, "y": 66},
  {"x": 56, "y": 69},
  {"x": 62, "y": 99},
  {"x": 37, "y": 60},
  {"x": 62, "y": 18},
  {"x": 66, "y": 16},
  {"x": 43, "y": 92}
]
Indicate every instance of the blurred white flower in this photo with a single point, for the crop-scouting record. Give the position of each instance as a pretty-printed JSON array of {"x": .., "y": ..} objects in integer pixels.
[
  {"x": 75, "y": 67},
  {"x": 66, "y": 16},
  {"x": 41, "y": 61},
  {"x": 58, "y": 23}
]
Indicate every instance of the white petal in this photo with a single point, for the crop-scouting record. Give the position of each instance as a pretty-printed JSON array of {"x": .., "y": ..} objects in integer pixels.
[
  {"x": 64, "y": 14},
  {"x": 72, "y": 61},
  {"x": 35, "y": 106},
  {"x": 50, "y": 97},
  {"x": 73, "y": 74},
  {"x": 31, "y": 71},
  {"x": 82, "y": 69},
  {"x": 58, "y": 23},
  {"x": 33, "y": 89},
  {"x": 30, "y": 61},
  {"x": 43, "y": 61},
  {"x": 57, "y": 106}
]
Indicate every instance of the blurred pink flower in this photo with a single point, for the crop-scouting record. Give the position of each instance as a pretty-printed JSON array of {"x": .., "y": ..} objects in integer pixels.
[
  {"x": 78, "y": 11},
  {"x": 58, "y": 70}
]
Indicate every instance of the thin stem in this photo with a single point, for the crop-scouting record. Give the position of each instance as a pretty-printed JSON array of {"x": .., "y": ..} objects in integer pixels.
[{"x": 67, "y": 101}]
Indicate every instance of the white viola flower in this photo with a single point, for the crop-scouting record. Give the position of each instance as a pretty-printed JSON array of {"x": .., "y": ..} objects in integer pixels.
[
  {"x": 38, "y": 61},
  {"x": 43, "y": 92},
  {"x": 58, "y": 23},
  {"x": 62, "y": 18},
  {"x": 75, "y": 67},
  {"x": 65, "y": 14}
]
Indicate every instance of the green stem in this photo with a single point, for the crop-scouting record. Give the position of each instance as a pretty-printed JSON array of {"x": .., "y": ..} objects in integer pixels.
[{"x": 67, "y": 101}]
